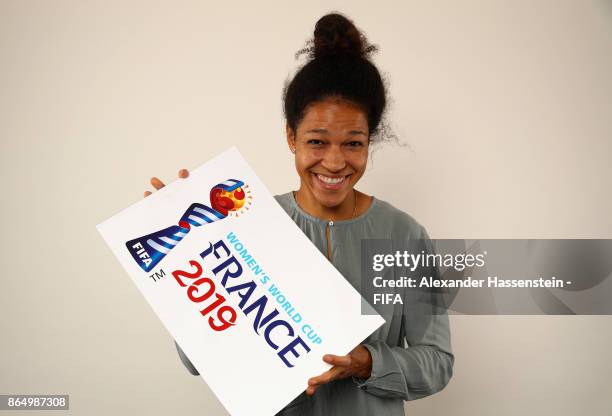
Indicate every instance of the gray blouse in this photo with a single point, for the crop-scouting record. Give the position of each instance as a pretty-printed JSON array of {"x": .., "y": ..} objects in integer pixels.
[{"x": 411, "y": 356}]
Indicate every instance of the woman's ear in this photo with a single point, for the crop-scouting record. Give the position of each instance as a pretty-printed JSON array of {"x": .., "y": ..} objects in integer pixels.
[{"x": 290, "y": 137}]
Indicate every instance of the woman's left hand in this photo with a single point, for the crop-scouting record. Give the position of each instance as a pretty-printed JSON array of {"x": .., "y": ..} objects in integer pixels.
[{"x": 357, "y": 363}]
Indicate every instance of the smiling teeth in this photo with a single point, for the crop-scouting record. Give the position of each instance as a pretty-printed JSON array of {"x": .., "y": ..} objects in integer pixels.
[{"x": 330, "y": 181}]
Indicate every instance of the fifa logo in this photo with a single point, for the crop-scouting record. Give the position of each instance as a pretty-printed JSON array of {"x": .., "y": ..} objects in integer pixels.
[{"x": 229, "y": 198}]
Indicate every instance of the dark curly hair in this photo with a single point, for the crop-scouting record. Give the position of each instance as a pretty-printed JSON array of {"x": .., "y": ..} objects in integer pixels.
[{"x": 338, "y": 67}]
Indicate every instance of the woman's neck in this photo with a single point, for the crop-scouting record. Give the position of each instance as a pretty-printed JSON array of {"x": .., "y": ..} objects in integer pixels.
[{"x": 351, "y": 206}]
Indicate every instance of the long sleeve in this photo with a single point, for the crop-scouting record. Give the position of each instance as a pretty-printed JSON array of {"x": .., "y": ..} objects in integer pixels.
[
  {"x": 424, "y": 365},
  {"x": 418, "y": 370},
  {"x": 186, "y": 361}
]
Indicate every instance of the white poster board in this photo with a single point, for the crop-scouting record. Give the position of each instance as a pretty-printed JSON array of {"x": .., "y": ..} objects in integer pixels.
[{"x": 250, "y": 300}]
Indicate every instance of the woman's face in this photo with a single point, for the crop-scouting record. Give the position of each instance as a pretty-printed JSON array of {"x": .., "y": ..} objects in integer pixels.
[{"x": 331, "y": 150}]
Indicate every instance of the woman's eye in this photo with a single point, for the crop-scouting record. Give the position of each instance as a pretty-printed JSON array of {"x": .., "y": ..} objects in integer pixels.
[
  {"x": 315, "y": 142},
  {"x": 355, "y": 143}
]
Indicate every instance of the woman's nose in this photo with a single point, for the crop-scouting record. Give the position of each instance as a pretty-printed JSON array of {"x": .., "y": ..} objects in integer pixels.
[{"x": 333, "y": 160}]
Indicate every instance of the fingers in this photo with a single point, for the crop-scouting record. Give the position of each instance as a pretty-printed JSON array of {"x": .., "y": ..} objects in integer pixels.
[
  {"x": 157, "y": 184},
  {"x": 315, "y": 382},
  {"x": 341, "y": 360},
  {"x": 341, "y": 366}
]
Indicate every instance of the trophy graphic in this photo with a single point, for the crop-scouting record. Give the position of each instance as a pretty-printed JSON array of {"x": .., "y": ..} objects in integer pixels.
[{"x": 228, "y": 198}]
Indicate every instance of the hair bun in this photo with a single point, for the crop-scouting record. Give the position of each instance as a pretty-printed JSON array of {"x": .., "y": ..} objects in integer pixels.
[{"x": 334, "y": 34}]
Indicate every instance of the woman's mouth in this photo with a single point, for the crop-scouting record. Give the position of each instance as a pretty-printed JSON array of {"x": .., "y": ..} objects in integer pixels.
[{"x": 330, "y": 182}]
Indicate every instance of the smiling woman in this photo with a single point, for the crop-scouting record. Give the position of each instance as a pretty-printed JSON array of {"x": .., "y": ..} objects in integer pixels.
[
  {"x": 331, "y": 153},
  {"x": 333, "y": 108}
]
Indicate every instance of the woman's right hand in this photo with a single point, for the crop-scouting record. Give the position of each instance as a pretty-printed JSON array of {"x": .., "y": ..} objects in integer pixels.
[{"x": 157, "y": 184}]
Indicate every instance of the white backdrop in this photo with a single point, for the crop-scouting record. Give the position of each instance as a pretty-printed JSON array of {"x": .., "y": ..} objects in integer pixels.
[{"x": 505, "y": 107}]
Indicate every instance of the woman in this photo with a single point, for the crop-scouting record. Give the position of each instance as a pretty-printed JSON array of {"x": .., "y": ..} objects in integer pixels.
[{"x": 333, "y": 108}]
